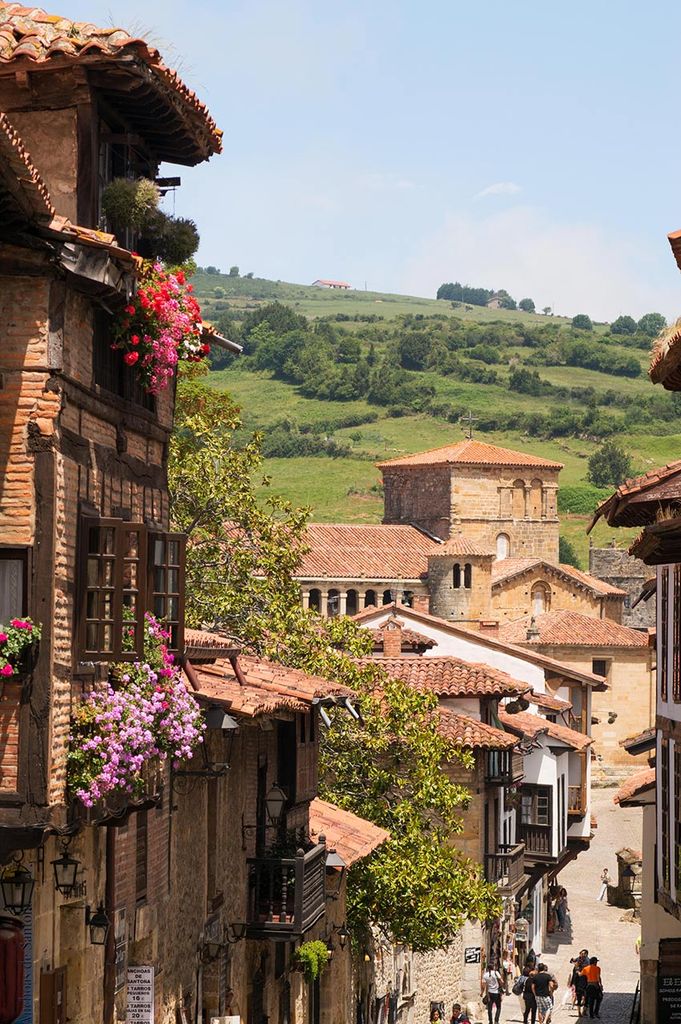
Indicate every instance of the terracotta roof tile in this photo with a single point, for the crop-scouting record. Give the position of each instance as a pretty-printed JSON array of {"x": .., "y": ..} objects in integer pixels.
[
  {"x": 467, "y": 732},
  {"x": 508, "y": 568},
  {"x": 472, "y": 453},
  {"x": 30, "y": 36},
  {"x": 351, "y": 836},
  {"x": 636, "y": 501},
  {"x": 635, "y": 786},
  {"x": 666, "y": 354},
  {"x": 572, "y": 629},
  {"x": 269, "y": 687},
  {"x": 451, "y": 677},
  {"x": 460, "y": 545},
  {"x": 343, "y": 551},
  {"x": 410, "y": 638},
  {"x": 21, "y": 178},
  {"x": 533, "y": 725},
  {"x": 548, "y": 702},
  {"x": 553, "y": 667}
]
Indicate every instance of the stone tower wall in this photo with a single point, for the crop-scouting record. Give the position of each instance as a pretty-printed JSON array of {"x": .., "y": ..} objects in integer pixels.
[
  {"x": 615, "y": 566},
  {"x": 461, "y": 603},
  {"x": 420, "y": 496}
]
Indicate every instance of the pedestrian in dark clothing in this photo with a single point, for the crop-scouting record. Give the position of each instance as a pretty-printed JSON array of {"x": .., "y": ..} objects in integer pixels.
[
  {"x": 594, "y": 987},
  {"x": 578, "y": 981},
  {"x": 529, "y": 1002},
  {"x": 543, "y": 987}
]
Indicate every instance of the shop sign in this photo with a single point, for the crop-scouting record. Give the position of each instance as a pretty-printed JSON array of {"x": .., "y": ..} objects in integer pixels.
[
  {"x": 27, "y": 1015},
  {"x": 140, "y": 1008},
  {"x": 120, "y": 949},
  {"x": 471, "y": 954},
  {"x": 668, "y": 1000},
  {"x": 521, "y": 929}
]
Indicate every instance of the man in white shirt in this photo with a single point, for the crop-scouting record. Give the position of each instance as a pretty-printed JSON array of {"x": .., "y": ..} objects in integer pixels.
[{"x": 491, "y": 987}]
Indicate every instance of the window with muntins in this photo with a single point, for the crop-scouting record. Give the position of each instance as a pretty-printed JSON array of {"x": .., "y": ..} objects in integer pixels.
[
  {"x": 125, "y": 571},
  {"x": 535, "y": 805}
]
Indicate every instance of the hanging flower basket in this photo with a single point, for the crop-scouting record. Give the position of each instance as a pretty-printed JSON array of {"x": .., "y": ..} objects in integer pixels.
[
  {"x": 148, "y": 714},
  {"x": 160, "y": 326},
  {"x": 18, "y": 644}
]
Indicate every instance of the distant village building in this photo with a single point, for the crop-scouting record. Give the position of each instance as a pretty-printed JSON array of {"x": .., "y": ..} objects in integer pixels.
[{"x": 321, "y": 283}]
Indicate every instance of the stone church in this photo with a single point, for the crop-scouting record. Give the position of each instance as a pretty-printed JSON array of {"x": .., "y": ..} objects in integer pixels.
[{"x": 469, "y": 533}]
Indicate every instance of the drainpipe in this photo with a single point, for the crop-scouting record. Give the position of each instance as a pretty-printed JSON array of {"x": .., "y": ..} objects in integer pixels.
[{"x": 110, "y": 947}]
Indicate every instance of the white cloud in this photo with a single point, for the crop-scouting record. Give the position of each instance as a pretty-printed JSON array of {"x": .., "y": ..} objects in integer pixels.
[
  {"x": 572, "y": 267},
  {"x": 499, "y": 188}
]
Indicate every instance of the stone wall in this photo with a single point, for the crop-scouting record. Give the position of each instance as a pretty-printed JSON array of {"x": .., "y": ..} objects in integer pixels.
[
  {"x": 617, "y": 567},
  {"x": 512, "y": 599},
  {"x": 460, "y": 603},
  {"x": 421, "y": 496}
]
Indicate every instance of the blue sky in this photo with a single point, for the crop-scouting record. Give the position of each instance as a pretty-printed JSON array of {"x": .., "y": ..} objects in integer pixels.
[{"x": 532, "y": 146}]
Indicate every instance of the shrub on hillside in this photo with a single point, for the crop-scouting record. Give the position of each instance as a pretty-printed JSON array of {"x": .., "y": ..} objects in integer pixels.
[
  {"x": 580, "y": 499},
  {"x": 609, "y": 466},
  {"x": 567, "y": 554}
]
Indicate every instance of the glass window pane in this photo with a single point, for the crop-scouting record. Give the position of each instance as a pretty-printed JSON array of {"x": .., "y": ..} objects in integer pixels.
[
  {"x": 108, "y": 548},
  {"x": 159, "y": 580},
  {"x": 131, "y": 544},
  {"x": 11, "y": 588},
  {"x": 173, "y": 552},
  {"x": 159, "y": 551},
  {"x": 107, "y": 572},
  {"x": 107, "y": 637},
  {"x": 93, "y": 572},
  {"x": 107, "y": 605},
  {"x": 93, "y": 540},
  {"x": 91, "y": 605},
  {"x": 91, "y": 636},
  {"x": 159, "y": 607},
  {"x": 173, "y": 606}
]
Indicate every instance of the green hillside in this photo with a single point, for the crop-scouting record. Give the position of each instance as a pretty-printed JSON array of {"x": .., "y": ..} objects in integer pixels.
[{"x": 370, "y": 376}]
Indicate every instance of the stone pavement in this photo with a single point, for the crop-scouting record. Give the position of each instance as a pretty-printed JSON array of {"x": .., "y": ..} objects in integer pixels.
[{"x": 595, "y": 926}]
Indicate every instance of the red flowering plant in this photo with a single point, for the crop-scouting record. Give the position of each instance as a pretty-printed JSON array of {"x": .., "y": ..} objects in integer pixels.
[
  {"x": 16, "y": 638},
  {"x": 160, "y": 326}
]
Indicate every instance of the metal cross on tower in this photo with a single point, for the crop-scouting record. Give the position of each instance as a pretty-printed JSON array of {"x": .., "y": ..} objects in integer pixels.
[{"x": 468, "y": 422}]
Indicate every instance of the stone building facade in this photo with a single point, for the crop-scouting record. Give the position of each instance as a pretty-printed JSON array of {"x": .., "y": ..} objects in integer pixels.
[
  {"x": 618, "y": 568},
  {"x": 504, "y": 501}
]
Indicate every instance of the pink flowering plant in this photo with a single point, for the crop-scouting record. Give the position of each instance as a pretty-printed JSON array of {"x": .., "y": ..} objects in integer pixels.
[
  {"x": 160, "y": 326},
  {"x": 145, "y": 712},
  {"x": 15, "y": 639}
]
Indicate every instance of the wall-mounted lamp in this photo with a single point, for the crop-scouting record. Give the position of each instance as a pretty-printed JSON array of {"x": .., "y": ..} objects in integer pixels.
[
  {"x": 235, "y": 932},
  {"x": 17, "y": 884},
  {"x": 343, "y": 935},
  {"x": 275, "y": 801},
  {"x": 336, "y": 869},
  {"x": 99, "y": 925},
  {"x": 65, "y": 871}
]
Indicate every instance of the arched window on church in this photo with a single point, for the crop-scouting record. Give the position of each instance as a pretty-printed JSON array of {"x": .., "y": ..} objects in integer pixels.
[
  {"x": 467, "y": 576},
  {"x": 387, "y": 596},
  {"x": 503, "y": 546},
  {"x": 369, "y": 598},
  {"x": 352, "y": 603},
  {"x": 541, "y": 598},
  {"x": 535, "y": 499},
  {"x": 518, "y": 499},
  {"x": 456, "y": 576},
  {"x": 333, "y": 604},
  {"x": 316, "y": 599}
]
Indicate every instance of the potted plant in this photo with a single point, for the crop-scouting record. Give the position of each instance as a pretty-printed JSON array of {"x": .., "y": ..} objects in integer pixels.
[
  {"x": 18, "y": 643},
  {"x": 311, "y": 959}
]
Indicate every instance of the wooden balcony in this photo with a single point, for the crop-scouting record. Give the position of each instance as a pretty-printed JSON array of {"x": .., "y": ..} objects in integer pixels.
[
  {"x": 537, "y": 840},
  {"x": 503, "y": 767},
  {"x": 286, "y": 895},
  {"x": 576, "y": 801},
  {"x": 506, "y": 867}
]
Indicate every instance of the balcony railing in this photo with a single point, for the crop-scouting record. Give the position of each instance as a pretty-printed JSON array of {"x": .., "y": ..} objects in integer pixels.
[
  {"x": 537, "y": 839},
  {"x": 506, "y": 867},
  {"x": 503, "y": 767},
  {"x": 285, "y": 894}
]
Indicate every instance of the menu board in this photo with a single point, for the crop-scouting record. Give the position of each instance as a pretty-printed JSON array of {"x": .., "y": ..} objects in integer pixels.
[{"x": 140, "y": 995}]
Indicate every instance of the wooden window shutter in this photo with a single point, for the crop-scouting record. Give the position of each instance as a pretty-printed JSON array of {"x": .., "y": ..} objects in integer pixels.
[{"x": 166, "y": 584}]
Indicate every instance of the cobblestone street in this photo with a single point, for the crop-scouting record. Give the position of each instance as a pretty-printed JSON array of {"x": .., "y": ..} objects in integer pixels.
[{"x": 593, "y": 925}]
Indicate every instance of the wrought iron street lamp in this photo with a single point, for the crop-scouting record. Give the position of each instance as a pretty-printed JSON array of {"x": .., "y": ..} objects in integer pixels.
[
  {"x": 99, "y": 925},
  {"x": 275, "y": 801},
  {"x": 235, "y": 932},
  {"x": 17, "y": 884},
  {"x": 65, "y": 871},
  {"x": 336, "y": 869}
]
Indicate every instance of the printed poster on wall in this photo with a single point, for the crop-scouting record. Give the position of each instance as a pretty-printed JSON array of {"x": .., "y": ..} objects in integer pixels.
[
  {"x": 27, "y": 1014},
  {"x": 140, "y": 1009}
]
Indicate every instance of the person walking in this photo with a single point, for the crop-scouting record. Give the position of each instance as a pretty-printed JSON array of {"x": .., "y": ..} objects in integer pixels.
[
  {"x": 492, "y": 983},
  {"x": 605, "y": 882},
  {"x": 562, "y": 910},
  {"x": 543, "y": 987},
  {"x": 578, "y": 981},
  {"x": 594, "y": 987},
  {"x": 528, "y": 1003}
]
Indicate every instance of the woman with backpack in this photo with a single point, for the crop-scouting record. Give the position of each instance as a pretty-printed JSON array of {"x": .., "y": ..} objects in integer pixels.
[
  {"x": 490, "y": 990},
  {"x": 523, "y": 989}
]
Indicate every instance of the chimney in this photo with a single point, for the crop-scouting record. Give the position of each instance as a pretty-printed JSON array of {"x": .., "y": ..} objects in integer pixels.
[
  {"x": 489, "y": 626},
  {"x": 420, "y": 603},
  {"x": 392, "y": 639}
]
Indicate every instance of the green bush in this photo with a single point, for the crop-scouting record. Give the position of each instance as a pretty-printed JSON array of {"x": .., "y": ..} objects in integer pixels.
[
  {"x": 580, "y": 499},
  {"x": 129, "y": 203}
]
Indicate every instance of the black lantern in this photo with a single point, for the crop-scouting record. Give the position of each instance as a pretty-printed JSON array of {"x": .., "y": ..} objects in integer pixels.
[
  {"x": 335, "y": 873},
  {"x": 235, "y": 932},
  {"x": 275, "y": 802},
  {"x": 343, "y": 935},
  {"x": 65, "y": 872},
  {"x": 99, "y": 925},
  {"x": 17, "y": 885}
]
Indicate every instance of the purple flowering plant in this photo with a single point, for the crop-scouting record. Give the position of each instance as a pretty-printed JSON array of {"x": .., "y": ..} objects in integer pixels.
[
  {"x": 14, "y": 640},
  {"x": 144, "y": 712}
]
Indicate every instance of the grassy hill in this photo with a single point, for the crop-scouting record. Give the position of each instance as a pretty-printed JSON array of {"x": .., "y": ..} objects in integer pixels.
[{"x": 347, "y": 488}]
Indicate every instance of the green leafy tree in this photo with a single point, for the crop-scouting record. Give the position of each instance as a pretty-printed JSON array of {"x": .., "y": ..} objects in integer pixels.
[
  {"x": 582, "y": 322},
  {"x": 609, "y": 465},
  {"x": 241, "y": 556},
  {"x": 527, "y": 305},
  {"x": 651, "y": 324},
  {"x": 567, "y": 554},
  {"x": 547, "y": 311},
  {"x": 233, "y": 271},
  {"x": 623, "y": 325}
]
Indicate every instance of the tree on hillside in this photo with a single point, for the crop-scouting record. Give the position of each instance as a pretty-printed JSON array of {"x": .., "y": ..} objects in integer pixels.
[
  {"x": 651, "y": 324},
  {"x": 527, "y": 305},
  {"x": 623, "y": 325},
  {"x": 609, "y": 465},
  {"x": 567, "y": 554},
  {"x": 249, "y": 275},
  {"x": 464, "y": 293},
  {"x": 277, "y": 316},
  {"x": 582, "y": 322},
  {"x": 505, "y": 300},
  {"x": 241, "y": 556},
  {"x": 547, "y": 311},
  {"x": 233, "y": 271}
]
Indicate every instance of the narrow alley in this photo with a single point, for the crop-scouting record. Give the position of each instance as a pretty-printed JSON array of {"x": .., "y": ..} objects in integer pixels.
[{"x": 596, "y": 926}]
